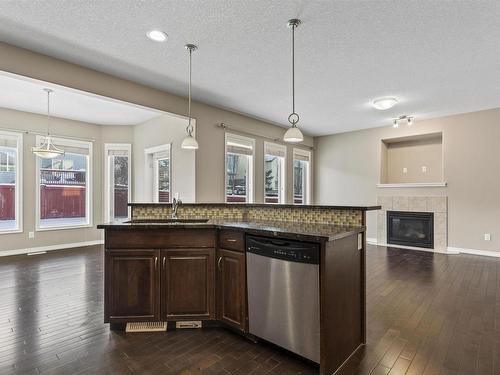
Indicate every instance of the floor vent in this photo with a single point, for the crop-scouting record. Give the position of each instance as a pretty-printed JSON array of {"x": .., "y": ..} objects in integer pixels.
[
  {"x": 146, "y": 327},
  {"x": 188, "y": 324}
]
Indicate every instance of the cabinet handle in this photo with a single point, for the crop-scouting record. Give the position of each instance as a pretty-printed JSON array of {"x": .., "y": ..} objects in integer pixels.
[
  {"x": 156, "y": 263},
  {"x": 218, "y": 263},
  {"x": 230, "y": 240},
  {"x": 164, "y": 260}
]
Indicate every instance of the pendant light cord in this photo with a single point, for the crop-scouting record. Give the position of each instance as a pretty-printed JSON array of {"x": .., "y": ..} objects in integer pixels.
[
  {"x": 293, "y": 68},
  {"x": 294, "y": 117},
  {"x": 48, "y": 111},
  {"x": 189, "y": 127}
]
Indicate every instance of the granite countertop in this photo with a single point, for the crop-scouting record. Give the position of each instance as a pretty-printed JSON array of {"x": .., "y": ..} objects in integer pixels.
[
  {"x": 267, "y": 205},
  {"x": 306, "y": 231}
]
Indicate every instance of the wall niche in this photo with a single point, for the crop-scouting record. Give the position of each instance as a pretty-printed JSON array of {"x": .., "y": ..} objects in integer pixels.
[{"x": 415, "y": 160}]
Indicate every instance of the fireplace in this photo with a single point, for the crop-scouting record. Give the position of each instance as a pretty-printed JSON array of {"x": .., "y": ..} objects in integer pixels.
[{"x": 410, "y": 228}]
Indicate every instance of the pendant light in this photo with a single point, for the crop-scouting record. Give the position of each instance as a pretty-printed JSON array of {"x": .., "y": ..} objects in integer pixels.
[
  {"x": 189, "y": 142},
  {"x": 47, "y": 149},
  {"x": 293, "y": 135}
]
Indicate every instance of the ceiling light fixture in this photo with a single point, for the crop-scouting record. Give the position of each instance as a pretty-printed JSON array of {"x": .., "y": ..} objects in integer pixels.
[
  {"x": 410, "y": 120},
  {"x": 47, "y": 149},
  {"x": 293, "y": 135},
  {"x": 189, "y": 142},
  {"x": 385, "y": 103},
  {"x": 156, "y": 35}
]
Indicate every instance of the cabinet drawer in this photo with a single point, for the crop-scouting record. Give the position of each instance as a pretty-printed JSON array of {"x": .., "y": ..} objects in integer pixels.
[
  {"x": 158, "y": 238},
  {"x": 232, "y": 240}
]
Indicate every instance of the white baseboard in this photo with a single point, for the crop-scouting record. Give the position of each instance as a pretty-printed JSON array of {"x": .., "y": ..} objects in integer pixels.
[
  {"x": 49, "y": 248},
  {"x": 486, "y": 253},
  {"x": 411, "y": 248},
  {"x": 449, "y": 250}
]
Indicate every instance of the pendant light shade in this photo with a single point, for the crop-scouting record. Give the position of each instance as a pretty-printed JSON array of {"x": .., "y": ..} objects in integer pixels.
[
  {"x": 293, "y": 135},
  {"x": 190, "y": 142},
  {"x": 47, "y": 150}
]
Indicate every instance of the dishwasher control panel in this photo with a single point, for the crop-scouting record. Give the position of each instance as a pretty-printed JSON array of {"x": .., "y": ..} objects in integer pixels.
[{"x": 294, "y": 251}]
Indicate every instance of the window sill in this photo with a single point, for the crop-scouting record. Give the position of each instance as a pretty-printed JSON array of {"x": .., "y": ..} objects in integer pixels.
[
  {"x": 13, "y": 231},
  {"x": 62, "y": 227},
  {"x": 414, "y": 185}
]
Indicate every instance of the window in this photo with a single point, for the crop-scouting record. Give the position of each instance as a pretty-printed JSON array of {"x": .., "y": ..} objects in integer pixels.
[
  {"x": 301, "y": 176},
  {"x": 158, "y": 174},
  {"x": 63, "y": 186},
  {"x": 162, "y": 179},
  {"x": 10, "y": 182},
  {"x": 239, "y": 169},
  {"x": 274, "y": 173},
  {"x": 118, "y": 192}
]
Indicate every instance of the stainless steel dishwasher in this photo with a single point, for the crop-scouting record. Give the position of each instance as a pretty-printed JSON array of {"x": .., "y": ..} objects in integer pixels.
[{"x": 283, "y": 293}]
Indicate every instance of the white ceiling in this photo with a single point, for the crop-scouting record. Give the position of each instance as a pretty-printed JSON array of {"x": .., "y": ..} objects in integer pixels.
[
  {"x": 27, "y": 95},
  {"x": 437, "y": 57}
]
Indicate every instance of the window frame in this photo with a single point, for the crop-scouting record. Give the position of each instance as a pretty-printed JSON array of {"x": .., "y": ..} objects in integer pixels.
[
  {"x": 228, "y": 137},
  {"x": 89, "y": 196},
  {"x": 18, "y": 205},
  {"x": 307, "y": 178},
  {"x": 127, "y": 147},
  {"x": 283, "y": 182},
  {"x": 151, "y": 180}
]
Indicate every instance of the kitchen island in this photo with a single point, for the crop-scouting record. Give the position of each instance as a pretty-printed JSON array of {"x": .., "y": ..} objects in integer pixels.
[{"x": 194, "y": 271}]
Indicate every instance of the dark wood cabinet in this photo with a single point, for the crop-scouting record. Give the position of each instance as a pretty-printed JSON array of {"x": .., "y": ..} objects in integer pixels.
[
  {"x": 232, "y": 240},
  {"x": 132, "y": 286},
  {"x": 188, "y": 279},
  {"x": 187, "y": 284},
  {"x": 231, "y": 288}
]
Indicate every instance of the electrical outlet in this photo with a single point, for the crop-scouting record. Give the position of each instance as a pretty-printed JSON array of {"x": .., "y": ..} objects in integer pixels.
[
  {"x": 487, "y": 237},
  {"x": 424, "y": 169},
  {"x": 31, "y": 234},
  {"x": 176, "y": 195},
  {"x": 405, "y": 170}
]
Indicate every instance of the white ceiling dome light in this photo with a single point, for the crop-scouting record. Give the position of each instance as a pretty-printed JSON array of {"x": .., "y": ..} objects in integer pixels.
[
  {"x": 384, "y": 103},
  {"x": 157, "y": 35}
]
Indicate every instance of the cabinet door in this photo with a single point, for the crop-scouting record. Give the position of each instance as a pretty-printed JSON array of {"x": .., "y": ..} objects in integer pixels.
[
  {"x": 132, "y": 286},
  {"x": 187, "y": 286},
  {"x": 231, "y": 287}
]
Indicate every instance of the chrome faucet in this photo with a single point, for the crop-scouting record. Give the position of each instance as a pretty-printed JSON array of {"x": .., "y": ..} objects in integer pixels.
[{"x": 176, "y": 202}]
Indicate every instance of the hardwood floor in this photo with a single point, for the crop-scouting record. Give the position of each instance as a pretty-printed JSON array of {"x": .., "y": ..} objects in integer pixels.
[{"x": 427, "y": 314}]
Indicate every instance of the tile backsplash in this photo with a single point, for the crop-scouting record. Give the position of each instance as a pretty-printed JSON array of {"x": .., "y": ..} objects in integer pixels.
[{"x": 313, "y": 215}]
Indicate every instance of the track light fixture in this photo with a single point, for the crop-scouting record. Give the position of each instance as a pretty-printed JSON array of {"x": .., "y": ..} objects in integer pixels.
[{"x": 410, "y": 120}]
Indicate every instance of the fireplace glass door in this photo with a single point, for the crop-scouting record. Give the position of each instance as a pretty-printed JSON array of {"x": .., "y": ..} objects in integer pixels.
[{"x": 410, "y": 228}]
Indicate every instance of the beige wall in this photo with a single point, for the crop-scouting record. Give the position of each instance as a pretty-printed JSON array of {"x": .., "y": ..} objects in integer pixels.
[
  {"x": 413, "y": 155},
  {"x": 347, "y": 168},
  {"x": 36, "y": 123},
  {"x": 210, "y": 156},
  {"x": 165, "y": 129}
]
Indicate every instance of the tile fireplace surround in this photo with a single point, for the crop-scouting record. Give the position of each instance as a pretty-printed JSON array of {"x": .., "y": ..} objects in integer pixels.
[{"x": 437, "y": 205}]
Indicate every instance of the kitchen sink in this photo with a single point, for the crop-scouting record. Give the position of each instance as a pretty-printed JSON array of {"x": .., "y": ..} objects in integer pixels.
[{"x": 167, "y": 221}]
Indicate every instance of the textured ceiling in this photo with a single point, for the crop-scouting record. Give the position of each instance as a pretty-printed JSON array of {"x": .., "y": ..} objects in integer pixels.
[
  {"x": 437, "y": 57},
  {"x": 24, "y": 94}
]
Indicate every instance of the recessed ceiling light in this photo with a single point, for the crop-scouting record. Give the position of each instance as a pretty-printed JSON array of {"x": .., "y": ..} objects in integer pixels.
[
  {"x": 157, "y": 35},
  {"x": 384, "y": 103}
]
